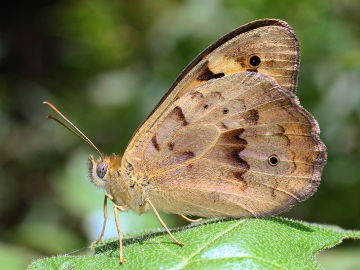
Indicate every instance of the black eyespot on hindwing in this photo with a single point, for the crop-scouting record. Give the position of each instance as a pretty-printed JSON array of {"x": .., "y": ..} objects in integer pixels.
[{"x": 273, "y": 160}]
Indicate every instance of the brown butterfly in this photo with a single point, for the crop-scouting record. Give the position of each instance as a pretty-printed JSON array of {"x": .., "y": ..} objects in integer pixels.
[{"x": 229, "y": 139}]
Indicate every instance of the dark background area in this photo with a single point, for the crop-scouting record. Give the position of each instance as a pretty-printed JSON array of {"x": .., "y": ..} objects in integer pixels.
[{"x": 106, "y": 64}]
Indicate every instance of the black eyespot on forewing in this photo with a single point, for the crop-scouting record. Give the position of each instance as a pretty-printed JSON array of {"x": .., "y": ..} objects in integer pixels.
[
  {"x": 101, "y": 169},
  {"x": 254, "y": 60}
]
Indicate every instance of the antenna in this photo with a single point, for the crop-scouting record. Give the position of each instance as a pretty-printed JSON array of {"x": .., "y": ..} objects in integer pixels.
[{"x": 74, "y": 129}]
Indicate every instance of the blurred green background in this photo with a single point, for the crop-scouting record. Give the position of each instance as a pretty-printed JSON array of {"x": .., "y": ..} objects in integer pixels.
[{"x": 106, "y": 64}]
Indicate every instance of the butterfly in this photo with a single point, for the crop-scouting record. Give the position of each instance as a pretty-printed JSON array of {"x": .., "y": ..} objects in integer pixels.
[{"x": 229, "y": 139}]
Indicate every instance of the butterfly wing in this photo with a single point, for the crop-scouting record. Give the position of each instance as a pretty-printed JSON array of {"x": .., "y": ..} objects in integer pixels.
[
  {"x": 236, "y": 146},
  {"x": 272, "y": 41}
]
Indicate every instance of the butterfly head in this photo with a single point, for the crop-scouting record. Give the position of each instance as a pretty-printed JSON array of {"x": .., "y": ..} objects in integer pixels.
[{"x": 104, "y": 169}]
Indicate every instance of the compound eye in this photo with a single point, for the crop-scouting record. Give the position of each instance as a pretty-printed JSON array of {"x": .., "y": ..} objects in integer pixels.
[{"x": 101, "y": 169}]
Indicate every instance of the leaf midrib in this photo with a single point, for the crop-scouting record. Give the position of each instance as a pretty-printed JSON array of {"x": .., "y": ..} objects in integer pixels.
[{"x": 208, "y": 243}]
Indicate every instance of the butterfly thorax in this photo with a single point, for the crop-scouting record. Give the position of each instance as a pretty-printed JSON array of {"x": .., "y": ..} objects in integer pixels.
[{"x": 132, "y": 189}]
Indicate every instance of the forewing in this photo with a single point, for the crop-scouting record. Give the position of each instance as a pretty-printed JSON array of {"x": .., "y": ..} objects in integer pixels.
[
  {"x": 272, "y": 41},
  {"x": 209, "y": 152}
]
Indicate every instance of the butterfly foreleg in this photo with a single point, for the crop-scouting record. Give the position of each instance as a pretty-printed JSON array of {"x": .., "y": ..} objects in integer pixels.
[
  {"x": 191, "y": 220},
  {"x": 105, "y": 219},
  {"x": 163, "y": 223}
]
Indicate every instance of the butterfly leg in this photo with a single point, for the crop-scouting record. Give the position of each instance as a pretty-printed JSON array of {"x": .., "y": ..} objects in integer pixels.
[
  {"x": 105, "y": 219},
  {"x": 120, "y": 208},
  {"x": 163, "y": 223},
  {"x": 191, "y": 220}
]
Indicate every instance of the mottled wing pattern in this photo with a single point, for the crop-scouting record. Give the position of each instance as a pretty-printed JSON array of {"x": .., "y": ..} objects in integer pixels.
[
  {"x": 209, "y": 152},
  {"x": 272, "y": 41}
]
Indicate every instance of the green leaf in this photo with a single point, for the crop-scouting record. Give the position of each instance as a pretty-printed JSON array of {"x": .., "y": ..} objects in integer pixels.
[{"x": 271, "y": 243}]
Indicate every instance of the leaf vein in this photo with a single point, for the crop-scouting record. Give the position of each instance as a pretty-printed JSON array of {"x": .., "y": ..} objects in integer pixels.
[{"x": 196, "y": 252}]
